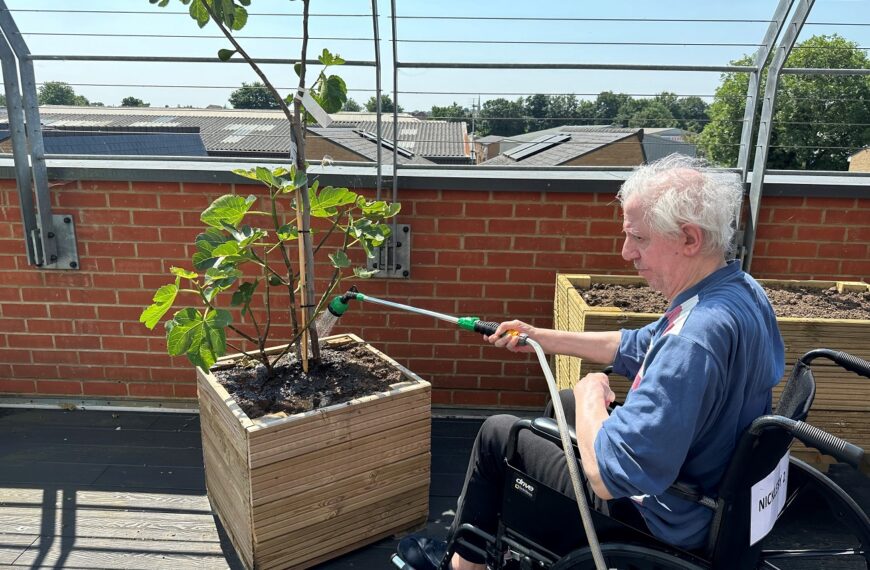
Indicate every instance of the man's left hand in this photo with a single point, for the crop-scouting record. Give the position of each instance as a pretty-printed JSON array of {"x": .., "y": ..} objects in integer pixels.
[{"x": 594, "y": 387}]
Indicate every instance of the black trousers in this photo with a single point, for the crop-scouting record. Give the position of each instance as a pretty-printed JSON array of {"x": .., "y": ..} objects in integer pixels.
[{"x": 540, "y": 458}]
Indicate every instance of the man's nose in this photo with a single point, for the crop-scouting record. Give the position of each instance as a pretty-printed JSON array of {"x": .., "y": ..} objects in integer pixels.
[{"x": 628, "y": 252}]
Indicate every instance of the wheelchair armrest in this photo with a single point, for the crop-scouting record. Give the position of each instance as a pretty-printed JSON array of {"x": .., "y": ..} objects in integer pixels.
[{"x": 549, "y": 429}]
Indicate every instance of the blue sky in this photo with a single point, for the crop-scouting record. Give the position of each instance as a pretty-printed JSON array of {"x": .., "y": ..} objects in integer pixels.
[{"x": 559, "y": 23}]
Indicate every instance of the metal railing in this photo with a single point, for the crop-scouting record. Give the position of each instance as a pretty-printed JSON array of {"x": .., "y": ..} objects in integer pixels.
[{"x": 781, "y": 33}]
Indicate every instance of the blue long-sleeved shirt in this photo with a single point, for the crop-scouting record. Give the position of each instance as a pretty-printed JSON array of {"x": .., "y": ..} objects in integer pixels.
[{"x": 700, "y": 374}]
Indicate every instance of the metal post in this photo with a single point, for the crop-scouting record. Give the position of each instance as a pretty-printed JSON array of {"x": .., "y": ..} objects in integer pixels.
[
  {"x": 395, "y": 107},
  {"x": 44, "y": 237},
  {"x": 752, "y": 92},
  {"x": 762, "y": 145},
  {"x": 379, "y": 128},
  {"x": 773, "y": 31},
  {"x": 19, "y": 149}
]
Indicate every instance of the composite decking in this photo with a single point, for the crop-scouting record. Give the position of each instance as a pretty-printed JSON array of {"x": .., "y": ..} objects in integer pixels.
[
  {"x": 126, "y": 489},
  {"x": 121, "y": 489}
]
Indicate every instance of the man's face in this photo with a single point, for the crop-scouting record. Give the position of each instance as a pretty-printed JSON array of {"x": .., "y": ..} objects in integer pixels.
[{"x": 656, "y": 258}]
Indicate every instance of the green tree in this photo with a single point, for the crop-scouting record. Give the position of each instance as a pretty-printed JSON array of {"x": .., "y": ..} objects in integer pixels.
[
  {"x": 536, "y": 108},
  {"x": 2, "y": 100},
  {"x": 386, "y": 104},
  {"x": 562, "y": 110},
  {"x": 819, "y": 120},
  {"x": 351, "y": 106},
  {"x": 454, "y": 112},
  {"x": 652, "y": 115},
  {"x": 607, "y": 106},
  {"x": 502, "y": 117},
  {"x": 691, "y": 113},
  {"x": 58, "y": 93},
  {"x": 253, "y": 96},
  {"x": 134, "y": 102}
]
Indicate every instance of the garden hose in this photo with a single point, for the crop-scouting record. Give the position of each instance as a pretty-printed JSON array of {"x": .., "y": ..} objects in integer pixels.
[{"x": 339, "y": 305}]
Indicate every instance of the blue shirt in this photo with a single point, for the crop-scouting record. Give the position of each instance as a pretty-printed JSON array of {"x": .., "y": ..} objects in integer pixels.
[{"x": 701, "y": 374}]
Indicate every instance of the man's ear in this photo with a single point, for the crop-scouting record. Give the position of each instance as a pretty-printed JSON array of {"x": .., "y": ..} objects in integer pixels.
[{"x": 692, "y": 239}]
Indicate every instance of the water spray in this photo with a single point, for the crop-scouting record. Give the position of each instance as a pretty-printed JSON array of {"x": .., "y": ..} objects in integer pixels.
[{"x": 339, "y": 305}]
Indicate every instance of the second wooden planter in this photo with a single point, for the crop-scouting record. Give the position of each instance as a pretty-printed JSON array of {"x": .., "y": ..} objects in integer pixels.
[{"x": 842, "y": 398}]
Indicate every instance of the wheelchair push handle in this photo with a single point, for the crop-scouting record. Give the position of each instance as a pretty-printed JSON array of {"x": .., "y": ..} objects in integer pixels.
[
  {"x": 843, "y": 359},
  {"x": 812, "y": 436}
]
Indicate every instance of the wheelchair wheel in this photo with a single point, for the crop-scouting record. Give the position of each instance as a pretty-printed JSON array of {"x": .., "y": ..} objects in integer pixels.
[
  {"x": 623, "y": 556},
  {"x": 820, "y": 526}
]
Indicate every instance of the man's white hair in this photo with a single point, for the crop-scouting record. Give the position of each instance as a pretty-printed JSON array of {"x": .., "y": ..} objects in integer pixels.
[{"x": 677, "y": 190}]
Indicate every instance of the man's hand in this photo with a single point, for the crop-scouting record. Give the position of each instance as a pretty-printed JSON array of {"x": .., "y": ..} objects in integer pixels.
[
  {"x": 507, "y": 336},
  {"x": 594, "y": 387},
  {"x": 592, "y": 394}
]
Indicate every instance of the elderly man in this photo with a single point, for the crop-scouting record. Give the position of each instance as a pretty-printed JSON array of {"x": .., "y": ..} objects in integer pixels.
[{"x": 700, "y": 374}]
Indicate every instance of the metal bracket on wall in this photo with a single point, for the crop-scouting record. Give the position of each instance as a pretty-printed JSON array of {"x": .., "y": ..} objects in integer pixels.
[
  {"x": 67, "y": 251},
  {"x": 49, "y": 238},
  {"x": 393, "y": 259}
]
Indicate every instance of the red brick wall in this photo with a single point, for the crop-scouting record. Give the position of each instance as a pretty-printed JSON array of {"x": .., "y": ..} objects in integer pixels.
[{"x": 489, "y": 254}]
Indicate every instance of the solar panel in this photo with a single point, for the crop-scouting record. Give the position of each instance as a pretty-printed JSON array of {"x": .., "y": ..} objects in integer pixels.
[
  {"x": 538, "y": 145},
  {"x": 374, "y": 138}
]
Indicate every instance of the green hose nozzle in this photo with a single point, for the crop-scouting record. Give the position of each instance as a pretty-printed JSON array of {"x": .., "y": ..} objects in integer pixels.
[{"x": 339, "y": 305}]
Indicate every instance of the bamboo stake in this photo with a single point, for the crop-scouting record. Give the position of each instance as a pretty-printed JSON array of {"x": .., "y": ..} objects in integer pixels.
[{"x": 303, "y": 209}]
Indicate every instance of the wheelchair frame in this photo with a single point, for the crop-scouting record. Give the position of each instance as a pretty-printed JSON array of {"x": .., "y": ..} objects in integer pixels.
[{"x": 557, "y": 542}]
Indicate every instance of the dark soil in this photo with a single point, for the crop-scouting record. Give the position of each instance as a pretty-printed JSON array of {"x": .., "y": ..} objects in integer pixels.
[
  {"x": 345, "y": 372},
  {"x": 802, "y": 302}
]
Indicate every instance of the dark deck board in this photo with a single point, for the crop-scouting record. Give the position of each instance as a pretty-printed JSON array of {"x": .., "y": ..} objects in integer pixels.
[{"x": 77, "y": 492}]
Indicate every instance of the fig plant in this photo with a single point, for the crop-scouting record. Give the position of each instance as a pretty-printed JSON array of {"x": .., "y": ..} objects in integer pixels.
[{"x": 228, "y": 243}]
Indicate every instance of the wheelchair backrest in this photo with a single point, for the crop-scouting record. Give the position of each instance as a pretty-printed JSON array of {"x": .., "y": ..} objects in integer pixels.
[{"x": 758, "y": 455}]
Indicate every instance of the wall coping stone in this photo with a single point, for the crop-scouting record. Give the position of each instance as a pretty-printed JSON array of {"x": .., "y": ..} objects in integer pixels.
[{"x": 559, "y": 179}]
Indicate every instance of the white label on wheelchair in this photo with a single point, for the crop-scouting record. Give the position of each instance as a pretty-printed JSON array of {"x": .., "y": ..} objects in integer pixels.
[{"x": 768, "y": 499}]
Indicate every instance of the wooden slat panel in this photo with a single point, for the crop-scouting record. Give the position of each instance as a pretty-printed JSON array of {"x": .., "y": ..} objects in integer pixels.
[
  {"x": 335, "y": 499},
  {"x": 328, "y": 465},
  {"x": 225, "y": 454},
  {"x": 266, "y": 435},
  {"x": 342, "y": 426}
]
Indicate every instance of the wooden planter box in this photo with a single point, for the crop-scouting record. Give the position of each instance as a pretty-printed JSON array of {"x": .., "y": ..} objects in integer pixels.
[
  {"x": 294, "y": 491},
  {"x": 842, "y": 398}
]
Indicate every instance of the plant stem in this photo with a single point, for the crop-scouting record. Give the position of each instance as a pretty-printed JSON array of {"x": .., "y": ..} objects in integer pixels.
[{"x": 241, "y": 51}]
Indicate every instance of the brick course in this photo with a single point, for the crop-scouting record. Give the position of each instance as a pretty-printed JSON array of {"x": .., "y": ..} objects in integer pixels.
[{"x": 490, "y": 254}]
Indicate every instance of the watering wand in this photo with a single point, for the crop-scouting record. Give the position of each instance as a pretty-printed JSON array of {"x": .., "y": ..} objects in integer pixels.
[{"x": 339, "y": 305}]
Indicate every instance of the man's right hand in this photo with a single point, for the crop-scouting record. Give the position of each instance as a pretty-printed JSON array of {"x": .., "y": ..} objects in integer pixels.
[{"x": 507, "y": 336}]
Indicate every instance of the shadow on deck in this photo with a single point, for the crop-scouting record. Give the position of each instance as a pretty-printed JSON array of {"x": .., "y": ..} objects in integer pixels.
[
  {"x": 121, "y": 489},
  {"x": 103, "y": 489}
]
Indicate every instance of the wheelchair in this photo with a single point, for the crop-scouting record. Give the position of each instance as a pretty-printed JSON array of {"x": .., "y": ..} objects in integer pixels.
[{"x": 542, "y": 529}]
